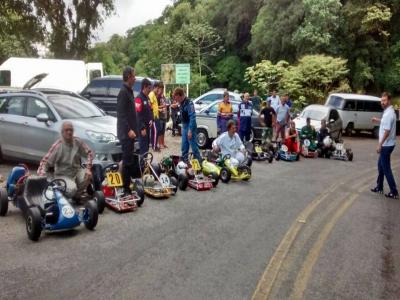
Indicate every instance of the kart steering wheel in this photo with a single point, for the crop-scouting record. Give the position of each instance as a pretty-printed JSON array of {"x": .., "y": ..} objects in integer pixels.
[
  {"x": 226, "y": 156},
  {"x": 148, "y": 157},
  {"x": 58, "y": 184}
]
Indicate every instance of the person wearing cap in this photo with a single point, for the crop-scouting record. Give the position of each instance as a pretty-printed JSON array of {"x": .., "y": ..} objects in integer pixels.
[
  {"x": 225, "y": 113},
  {"x": 267, "y": 119}
]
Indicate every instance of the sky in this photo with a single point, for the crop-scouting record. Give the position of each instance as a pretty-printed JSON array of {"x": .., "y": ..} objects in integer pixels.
[{"x": 128, "y": 14}]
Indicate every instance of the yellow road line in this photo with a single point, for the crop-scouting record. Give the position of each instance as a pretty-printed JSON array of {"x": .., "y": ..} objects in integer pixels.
[{"x": 305, "y": 273}]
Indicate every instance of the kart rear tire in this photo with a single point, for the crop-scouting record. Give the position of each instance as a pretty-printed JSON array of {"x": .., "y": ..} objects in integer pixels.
[
  {"x": 215, "y": 177},
  {"x": 175, "y": 183},
  {"x": 183, "y": 182},
  {"x": 33, "y": 223},
  {"x": 225, "y": 175},
  {"x": 277, "y": 157},
  {"x": 271, "y": 158},
  {"x": 3, "y": 202},
  {"x": 93, "y": 214},
  {"x": 140, "y": 192},
  {"x": 328, "y": 154},
  {"x": 350, "y": 156},
  {"x": 100, "y": 200},
  {"x": 249, "y": 161}
]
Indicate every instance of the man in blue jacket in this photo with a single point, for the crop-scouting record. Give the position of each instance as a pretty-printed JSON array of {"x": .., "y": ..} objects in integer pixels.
[
  {"x": 245, "y": 112},
  {"x": 189, "y": 126},
  {"x": 144, "y": 116}
]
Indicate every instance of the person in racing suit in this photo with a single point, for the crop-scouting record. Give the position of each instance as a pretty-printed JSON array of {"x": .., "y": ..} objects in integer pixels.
[
  {"x": 63, "y": 161},
  {"x": 245, "y": 112},
  {"x": 144, "y": 116},
  {"x": 189, "y": 125},
  {"x": 230, "y": 143},
  {"x": 291, "y": 138},
  {"x": 308, "y": 132}
]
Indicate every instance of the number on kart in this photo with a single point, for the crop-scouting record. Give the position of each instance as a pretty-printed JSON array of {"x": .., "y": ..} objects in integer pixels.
[
  {"x": 114, "y": 179},
  {"x": 164, "y": 180},
  {"x": 195, "y": 164},
  {"x": 258, "y": 149}
]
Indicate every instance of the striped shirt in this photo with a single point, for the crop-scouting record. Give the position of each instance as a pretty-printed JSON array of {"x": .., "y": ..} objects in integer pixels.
[{"x": 66, "y": 158}]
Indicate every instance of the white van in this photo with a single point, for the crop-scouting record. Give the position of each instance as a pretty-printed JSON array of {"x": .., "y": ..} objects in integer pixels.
[
  {"x": 356, "y": 111},
  {"x": 64, "y": 74}
]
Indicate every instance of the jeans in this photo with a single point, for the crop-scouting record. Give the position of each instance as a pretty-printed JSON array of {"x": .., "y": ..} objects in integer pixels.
[
  {"x": 245, "y": 135},
  {"x": 384, "y": 170},
  {"x": 186, "y": 144}
]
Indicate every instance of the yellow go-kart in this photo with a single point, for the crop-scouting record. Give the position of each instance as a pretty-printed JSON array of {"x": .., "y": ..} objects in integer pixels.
[{"x": 231, "y": 169}]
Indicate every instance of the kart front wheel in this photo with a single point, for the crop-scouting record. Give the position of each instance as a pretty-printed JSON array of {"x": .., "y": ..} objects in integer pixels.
[
  {"x": 350, "y": 156},
  {"x": 175, "y": 183},
  {"x": 33, "y": 223},
  {"x": 140, "y": 193},
  {"x": 100, "y": 200},
  {"x": 248, "y": 171},
  {"x": 271, "y": 158},
  {"x": 225, "y": 175},
  {"x": 3, "y": 202},
  {"x": 215, "y": 178},
  {"x": 183, "y": 182},
  {"x": 91, "y": 215}
]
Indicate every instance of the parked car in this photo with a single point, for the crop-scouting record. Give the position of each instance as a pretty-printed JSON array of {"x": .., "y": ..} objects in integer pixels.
[
  {"x": 317, "y": 113},
  {"x": 104, "y": 92},
  {"x": 211, "y": 96},
  {"x": 207, "y": 123},
  {"x": 31, "y": 120},
  {"x": 357, "y": 111}
]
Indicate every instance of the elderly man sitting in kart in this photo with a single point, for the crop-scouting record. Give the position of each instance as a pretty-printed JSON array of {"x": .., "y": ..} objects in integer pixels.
[
  {"x": 230, "y": 143},
  {"x": 63, "y": 161}
]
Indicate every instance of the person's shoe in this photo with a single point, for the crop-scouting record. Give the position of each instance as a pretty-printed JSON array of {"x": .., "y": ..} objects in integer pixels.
[
  {"x": 392, "y": 196},
  {"x": 377, "y": 190}
]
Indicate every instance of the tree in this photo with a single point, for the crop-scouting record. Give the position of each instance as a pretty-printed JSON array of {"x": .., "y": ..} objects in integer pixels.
[
  {"x": 229, "y": 73},
  {"x": 72, "y": 23}
]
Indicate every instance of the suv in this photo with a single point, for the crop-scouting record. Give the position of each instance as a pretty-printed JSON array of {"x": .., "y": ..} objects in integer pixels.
[
  {"x": 211, "y": 96},
  {"x": 104, "y": 92},
  {"x": 31, "y": 120}
]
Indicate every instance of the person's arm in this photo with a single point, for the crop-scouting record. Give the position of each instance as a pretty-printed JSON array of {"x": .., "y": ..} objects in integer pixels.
[
  {"x": 48, "y": 161},
  {"x": 86, "y": 152},
  {"x": 387, "y": 125},
  {"x": 261, "y": 118}
]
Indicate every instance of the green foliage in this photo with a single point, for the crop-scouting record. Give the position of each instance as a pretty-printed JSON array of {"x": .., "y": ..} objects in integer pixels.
[
  {"x": 266, "y": 76},
  {"x": 229, "y": 73}
]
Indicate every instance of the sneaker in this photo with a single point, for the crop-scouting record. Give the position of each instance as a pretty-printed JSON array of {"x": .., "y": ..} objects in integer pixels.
[
  {"x": 392, "y": 196},
  {"x": 377, "y": 190}
]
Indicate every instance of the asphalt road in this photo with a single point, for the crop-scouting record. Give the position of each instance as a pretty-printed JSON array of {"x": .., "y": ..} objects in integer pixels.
[{"x": 311, "y": 228}]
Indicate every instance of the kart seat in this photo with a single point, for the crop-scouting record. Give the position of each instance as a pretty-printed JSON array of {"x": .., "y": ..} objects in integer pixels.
[{"x": 34, "y": 187}]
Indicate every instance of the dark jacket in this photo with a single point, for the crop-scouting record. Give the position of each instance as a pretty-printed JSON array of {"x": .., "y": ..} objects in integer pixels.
[
  {"x": 188, "y": 114},
  {"x": 126, "y": 116},
  {"x": 143, "y": 111}
]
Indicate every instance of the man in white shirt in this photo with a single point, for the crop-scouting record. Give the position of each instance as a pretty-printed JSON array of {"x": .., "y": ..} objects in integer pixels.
[
  {"x": 387, "y": 142},
  {"x": 230, "y": 143},
  {"x": 275, "y": 100}
]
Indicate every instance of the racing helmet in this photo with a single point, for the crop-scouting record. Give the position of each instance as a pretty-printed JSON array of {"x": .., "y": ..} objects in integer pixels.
[
  {"x": 327, "y": 141},
  {"x": 167, "y": 161},
  {"x": 148, "y": 180},
  {"x": 181, "y": 168}
]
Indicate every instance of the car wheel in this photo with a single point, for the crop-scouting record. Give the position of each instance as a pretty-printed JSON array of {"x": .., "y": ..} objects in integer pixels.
[
  {"x": 33, "y": 223},
  {"x": 175, "y": 183},
  {"x": 100, "y": 200},
  {"x": 183, "y": 182},
  {"x": 202, "y": 138},
  {"x": 140, "y": 192},
  {"x": 375, "y": 133},
  {"x": 92, "y": 215},
  {"x": 349, "y": 129},
  {"x": 3, "y": 202},
  {"x": 225, "y": 175},
  {"x": 215, "y": 177}
]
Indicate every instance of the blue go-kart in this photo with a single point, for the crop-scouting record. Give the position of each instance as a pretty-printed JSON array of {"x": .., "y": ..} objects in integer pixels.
[
  {"x": 283, "y": 153},
  {"x": 43, "y": 204}
]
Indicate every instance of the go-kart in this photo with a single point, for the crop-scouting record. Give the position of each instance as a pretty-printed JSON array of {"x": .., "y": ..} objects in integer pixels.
[
  {"x": 341, "y": 153},
  {"x": 326, "y": 148},
  {"x": 260, "y": 153},
  {"x": 44, "y": 205},
  {"x": 190, "y": 174},
  {"x": 231, "y": 169},
  {"x": 210, "y": 165},
  {"x": 284, "y": 154},
  {"x": 308, "y": 148},
  {"x": 157, "y": 184},
  {"x": 112, "y": 188}
]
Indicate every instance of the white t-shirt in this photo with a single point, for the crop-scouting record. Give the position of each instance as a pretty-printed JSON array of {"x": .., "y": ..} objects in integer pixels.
[
  {"x": 275, "y": 101},
  {"x": 388, "y": 122}
]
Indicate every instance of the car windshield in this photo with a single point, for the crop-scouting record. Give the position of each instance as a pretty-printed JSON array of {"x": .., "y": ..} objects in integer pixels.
[
  {"x": 69, "y": 107},
  {"x": 313, "y": 114}
]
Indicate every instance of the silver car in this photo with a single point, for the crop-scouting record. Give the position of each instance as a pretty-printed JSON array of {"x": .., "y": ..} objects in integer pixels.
[
  {"x": 30, "y": 122},
  {"x": 211, "y": 96}
]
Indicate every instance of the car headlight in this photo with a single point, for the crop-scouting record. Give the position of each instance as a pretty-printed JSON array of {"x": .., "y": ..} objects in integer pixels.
[{"x": 101, "y": 137}]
